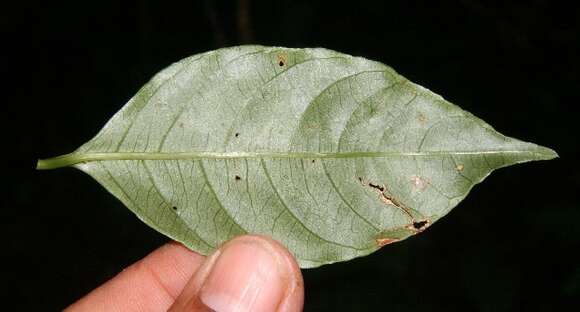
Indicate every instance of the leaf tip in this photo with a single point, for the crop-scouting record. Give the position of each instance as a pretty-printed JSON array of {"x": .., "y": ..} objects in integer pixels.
[
  {"x": 533, "y": 152},
  {"x": 553, "y": 154},
  {"x": 547, "y": 153}
]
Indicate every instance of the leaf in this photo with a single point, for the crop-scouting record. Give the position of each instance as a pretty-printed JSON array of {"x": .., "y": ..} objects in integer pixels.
[{"x": 333, "y": 155}]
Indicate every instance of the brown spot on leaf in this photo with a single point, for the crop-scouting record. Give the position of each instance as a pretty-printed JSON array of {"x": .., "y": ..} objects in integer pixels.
[
  {"x": 312, "y": 126},
  {"x": 385, "y": 241},
  {"x": 459, "y": 167},
  {"x": 282, "y": 59},
  {"x": 385, "y": 197},
  {"x": 419, "y": 182},
  {"x": 181, "y": 125},
  {"x": 387, "y": 200},
  {"x": 422, "y": 119}
]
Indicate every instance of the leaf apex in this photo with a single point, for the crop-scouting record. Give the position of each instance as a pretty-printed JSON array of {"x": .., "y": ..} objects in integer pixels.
[{"x": 546, "y": 153}]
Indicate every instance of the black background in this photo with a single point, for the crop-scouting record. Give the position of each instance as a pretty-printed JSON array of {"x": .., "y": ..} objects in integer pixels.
[{"x": 511, "y": 245}]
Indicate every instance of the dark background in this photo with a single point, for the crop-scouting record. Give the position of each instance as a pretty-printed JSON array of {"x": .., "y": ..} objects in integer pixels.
[{"x": 511, "y": 245}]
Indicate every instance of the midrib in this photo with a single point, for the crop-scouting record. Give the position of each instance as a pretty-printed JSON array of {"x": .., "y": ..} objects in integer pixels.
[{"x": 75, "y": 158}]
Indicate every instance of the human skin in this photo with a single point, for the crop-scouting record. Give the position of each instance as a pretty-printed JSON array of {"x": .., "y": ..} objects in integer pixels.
[{"x": 247, "y": 273}]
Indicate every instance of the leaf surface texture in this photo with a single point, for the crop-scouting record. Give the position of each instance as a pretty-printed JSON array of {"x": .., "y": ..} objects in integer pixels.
[{"x": 333, "y": 155}]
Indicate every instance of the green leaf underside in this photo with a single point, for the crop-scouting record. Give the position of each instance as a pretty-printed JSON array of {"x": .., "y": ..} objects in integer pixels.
[{"x": 333, "y": 155}]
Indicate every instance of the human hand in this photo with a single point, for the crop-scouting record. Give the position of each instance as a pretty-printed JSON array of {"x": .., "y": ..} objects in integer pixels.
[{"x": 248, "y": 273}]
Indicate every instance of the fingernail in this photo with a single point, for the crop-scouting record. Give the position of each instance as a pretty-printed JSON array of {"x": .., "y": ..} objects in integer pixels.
[{"x": 246, "y": 277}]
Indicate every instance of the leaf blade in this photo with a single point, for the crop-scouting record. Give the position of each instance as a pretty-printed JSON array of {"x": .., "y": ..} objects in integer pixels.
[{"x": 333, "y": 155}]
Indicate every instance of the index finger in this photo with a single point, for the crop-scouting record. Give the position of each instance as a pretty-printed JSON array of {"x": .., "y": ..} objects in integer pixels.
[{"x": 151, "y": 284}]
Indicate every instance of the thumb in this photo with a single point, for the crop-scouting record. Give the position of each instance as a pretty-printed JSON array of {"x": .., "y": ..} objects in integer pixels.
[{"x": 248, "y": 273}]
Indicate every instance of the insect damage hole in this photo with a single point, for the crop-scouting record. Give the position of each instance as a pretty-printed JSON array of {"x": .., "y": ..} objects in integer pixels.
[
  {"x": 237, "y": 134},
  {"x": 174, "y": 208},
  {"x": 237, "y": 177},
  {"x": 365, "y": 182},
  {"x": 376, "y": 186},
  {"x": 419, "y": 225}
]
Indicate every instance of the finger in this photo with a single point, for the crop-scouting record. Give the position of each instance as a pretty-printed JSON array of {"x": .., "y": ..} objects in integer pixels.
[
  {"x": 248, "y": 273},
  {"x": 151, "y": 284}
]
